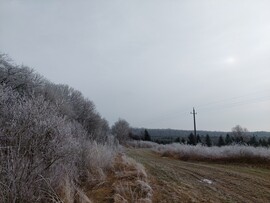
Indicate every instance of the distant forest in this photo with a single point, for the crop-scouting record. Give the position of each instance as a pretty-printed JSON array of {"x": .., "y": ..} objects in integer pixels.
[{"x": 166, "y": 136}]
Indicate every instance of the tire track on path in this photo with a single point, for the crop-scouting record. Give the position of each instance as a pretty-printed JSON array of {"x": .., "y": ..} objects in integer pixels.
[{"x": 179, "y": 181}]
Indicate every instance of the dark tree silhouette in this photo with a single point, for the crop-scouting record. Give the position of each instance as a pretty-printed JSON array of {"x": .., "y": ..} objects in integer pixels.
[
  {"x": 221, "y": 141},
  {"x": 192, "y": 139},
  {"x": 146, "y": 136},
  {"x": 263, "y": 142},
  {"x": 253, "y": 141},
  {"x": 199, "y": 139},
  {"x": 177, "y": 140},
  {"x": 208, "y": 141},
  {"x": 228, "y": 139},
  {"x": 184, "y": 141}
]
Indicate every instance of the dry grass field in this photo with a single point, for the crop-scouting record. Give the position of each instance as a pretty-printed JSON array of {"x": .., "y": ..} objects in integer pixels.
[
  {"x": 126, "y": 182},
  {"x": 173, "y": 180}
]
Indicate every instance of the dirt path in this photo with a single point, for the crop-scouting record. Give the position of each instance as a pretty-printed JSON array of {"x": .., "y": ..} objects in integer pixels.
[{"x": 179, "y": 181}]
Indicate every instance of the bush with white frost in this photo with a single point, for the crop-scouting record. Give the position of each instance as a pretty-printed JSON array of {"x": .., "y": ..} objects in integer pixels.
[
  {"x": 52, "y": 140},
  {"x": 230, "y": 153},
  {"x": 39, "y": 147},
  {"x": 238, "y": 153},
  {"x": 34, "y": 140},
  {"x": 142, "y": 144},
  {"x": 121, "y": 130}
]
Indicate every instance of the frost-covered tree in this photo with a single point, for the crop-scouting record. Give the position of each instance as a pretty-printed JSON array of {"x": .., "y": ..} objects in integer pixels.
[
  {"x": 121, "y": 130},
  {"x": 68, "y": 101},
  {"x": 37, "y": 142},
  {"x": 20, "y": 78},
  {"x": 75, "y": 106},
  {"x": 51, "y": 137},
  {"x": 239, "y": 134}
]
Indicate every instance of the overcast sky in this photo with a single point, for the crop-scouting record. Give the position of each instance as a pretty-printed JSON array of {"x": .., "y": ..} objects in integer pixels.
[{"x": 151, "y": 61}]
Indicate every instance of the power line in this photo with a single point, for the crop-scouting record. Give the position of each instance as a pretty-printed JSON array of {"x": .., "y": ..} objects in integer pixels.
[
  {"x": 233, "y": 98},
  {"x": 237, "y": 103},
  {"x": 220, "y": 104}
]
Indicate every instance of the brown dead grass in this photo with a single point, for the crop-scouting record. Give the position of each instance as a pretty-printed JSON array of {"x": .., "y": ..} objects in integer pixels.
[
  {"x": 69, "y": 193},
  {"x": 126, "y": 182},
  {"x": 236, "y": 154},
  {"x": 241, "y": 160}
]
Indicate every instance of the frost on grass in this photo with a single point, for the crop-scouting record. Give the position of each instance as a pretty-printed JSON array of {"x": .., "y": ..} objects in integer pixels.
[
  {"x": 132, "y": 184},
  {"x": 207, "y": 181},
  {"x": 232, "y": 153},
  {"x": 142, "y": 144}
]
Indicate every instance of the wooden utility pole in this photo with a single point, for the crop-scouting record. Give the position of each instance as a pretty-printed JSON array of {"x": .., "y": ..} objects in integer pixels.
[{"x": 194, "y": 119}]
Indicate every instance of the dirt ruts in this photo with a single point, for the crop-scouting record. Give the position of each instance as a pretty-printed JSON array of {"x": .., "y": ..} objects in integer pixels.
[{"x": 179, "y": 181}]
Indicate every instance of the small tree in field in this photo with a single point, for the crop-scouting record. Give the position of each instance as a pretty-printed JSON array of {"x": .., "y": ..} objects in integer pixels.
[
  {"x": 239, "y": 134},
  {"x": 121, "y": 130}
]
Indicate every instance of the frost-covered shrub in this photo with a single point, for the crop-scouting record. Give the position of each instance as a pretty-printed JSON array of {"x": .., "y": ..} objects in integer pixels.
[
  {"x": 52, "y": 139},
  {"x": 239, "y": 153},
  {"x": 94, "y": 160},
  {"x": 121, "y": 130},
  {"x": 68, "y": 102},
  {"x": 142, "y": 144},
  {"x": 36, "y": 143},
  {"x": 22, "y": 79},
  {"x": 75, "y": 106},
  {"x": 41, "y": 150}
]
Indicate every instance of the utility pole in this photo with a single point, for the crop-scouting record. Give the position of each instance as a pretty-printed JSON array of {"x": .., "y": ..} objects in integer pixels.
[{"x": 194, "y": 119}]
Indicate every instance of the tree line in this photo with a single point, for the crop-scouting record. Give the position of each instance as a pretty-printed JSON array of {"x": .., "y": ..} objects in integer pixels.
[{"x": 238, "y": 135}]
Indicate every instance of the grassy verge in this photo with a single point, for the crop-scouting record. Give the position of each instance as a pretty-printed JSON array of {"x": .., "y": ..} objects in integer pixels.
[
  {"x": 126, "y": 182},
  {"x": 226, "y": 154}
]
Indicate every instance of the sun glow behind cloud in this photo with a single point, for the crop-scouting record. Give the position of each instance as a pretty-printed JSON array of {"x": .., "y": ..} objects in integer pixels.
[{"x": 230, "y": 61}]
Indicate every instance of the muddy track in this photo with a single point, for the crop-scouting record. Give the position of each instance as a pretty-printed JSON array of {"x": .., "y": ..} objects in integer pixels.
[{"x": 179, "y": 181}]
